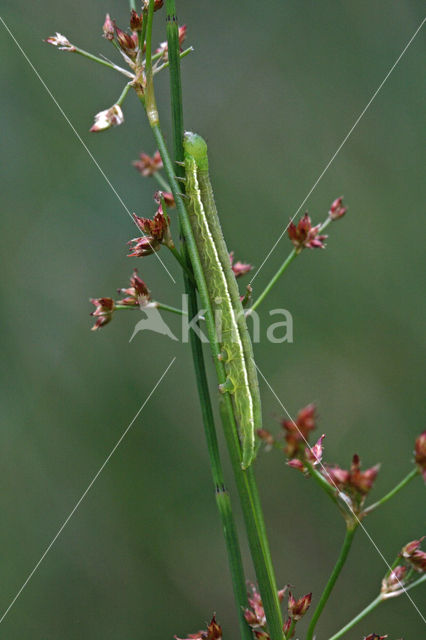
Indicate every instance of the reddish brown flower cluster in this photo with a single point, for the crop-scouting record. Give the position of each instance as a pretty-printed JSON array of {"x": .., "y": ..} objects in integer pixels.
[
  {"x": 337, "y": 210},
  {"x": 239, "y": 268},
  {"x": 414, "y": 555},
  {"x": 147, "y": 165},
  {"x": 213, "y": 632},
  {"x": 137, "y": 295},
  {"x": 304, "y": 235},
  {"x": 157, "y": 233},
  {"x": 163, "y": 49},
  {"x": 255, "y": 613},
  {"x": 297, "y": 431},
  {"x": 104, "y": 309},
  {"x": 356, "y": 484},
  {"x": 375, "y": 636},
  {"x": 420, "y": 454}
]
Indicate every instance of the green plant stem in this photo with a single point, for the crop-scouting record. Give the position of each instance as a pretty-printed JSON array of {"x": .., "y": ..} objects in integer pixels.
[
  {"x": 413, "y": 473},
  {"x": 273, "y": 281},
  {"x": 347, "y": 543},
  {"x": 369, "y": 608},
  {"x": 157, "y": 305},
  {"x": 123, "y": 94},
  {"x": 222, "y": 496},
  {"x": 287, "y": 262},
  {"x": 161, "y": 181},
  {"x": 183, "y": 263},
  {"x": 183, "y": 54},
  {"x": 252, "y": 514},
  {"x": 105, "y": 63}
]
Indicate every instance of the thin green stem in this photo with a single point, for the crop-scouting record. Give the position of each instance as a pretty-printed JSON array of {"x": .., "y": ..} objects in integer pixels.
[
  {"x": 161, "y": 181},
  {"x": 105, "y": 63},
  {"x": 375, "y": 603},
  {"x": 321, "y": 481},
  {"x": 133, "y": 4},
  {"x": 291, "y": 256},
  {"x": 157, "y": 305},
  {"x": 183, "y": 263},
  {"x": 347, "y": 543},
  {"x": 183, "y": 54},
  {"x": 413, "y": 473},
  {"x": 258, "y": 543},
  {"x": 273, "y": 280},
  {"x": 222, "y": 496},
  {"x": 123, "y": 94}
]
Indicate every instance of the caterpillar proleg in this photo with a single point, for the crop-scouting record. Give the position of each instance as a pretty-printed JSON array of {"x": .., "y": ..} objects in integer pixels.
[{"x": 234, "y": 338}]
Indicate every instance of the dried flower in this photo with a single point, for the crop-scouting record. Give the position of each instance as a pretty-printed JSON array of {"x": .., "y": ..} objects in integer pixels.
[
  {"x": 167, "y": 197},
  {"x": 298, "y": 608},
  {"x": 337, "y": 210},
  {"x": 111, "y": 117},
  {"x": 158, "y": 233},
  {"x": 394, "y": 581},
  {"x": 304, "y": 235},
  {"x": 146, "y": 165},
  {"x": 136, "y": 20},
  {"x": 356, "y": 484},
  {"x": 420, "y": 453},
  {"x": 104, "y": 309},
  {"x": 213, "y": 632},
  {"x": 267, "y": 438},
  {"x": 128, "y": 43},
  {"x": 297, "y": 432},
  {"x": 60, "y": 41},
  {"x": 239, "y": 268},
  {"x": 414, "y": 555},
  {"x": 157, "y": 5},
  {"x": 375, "y": 636},
  {"x": 138, "y": 294},
  {"x": 108, "y": 28},
  {"x": 286, "y": 628}
]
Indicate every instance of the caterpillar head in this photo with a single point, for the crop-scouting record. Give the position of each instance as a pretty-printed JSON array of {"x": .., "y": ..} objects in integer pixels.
[{"x": 196, "y": 147}]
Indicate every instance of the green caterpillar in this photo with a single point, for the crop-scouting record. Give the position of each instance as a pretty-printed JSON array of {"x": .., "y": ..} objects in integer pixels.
[{"x": 234, "y": 339}]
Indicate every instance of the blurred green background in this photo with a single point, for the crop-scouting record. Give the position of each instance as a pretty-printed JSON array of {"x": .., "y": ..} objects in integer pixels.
[{"x": 274, "y": 88}]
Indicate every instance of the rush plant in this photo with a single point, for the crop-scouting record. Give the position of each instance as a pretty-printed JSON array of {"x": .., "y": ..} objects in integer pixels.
[{"x": 210, "y": 279}]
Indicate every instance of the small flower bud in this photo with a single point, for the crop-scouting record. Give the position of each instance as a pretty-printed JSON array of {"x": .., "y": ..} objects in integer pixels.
[
  {"x": 297, "y": 432},
  {"x": 128, "y": 43},
  {"x": 60, "y": 41},
  {"x": 146, "y": 165},
  {"x": 168, "y": 198},
  {"x": 157, "y": 5},
  {"x": 108, "y": 28},
  {"x": 111, "y": 117},
  {"x": 337, "y": 210},
  {"x": 239, "y": 268},
  {"x": 298, "y": 608},
  {"x": 267, "y": 438},
  {"x": 136, "y": 21},
  {"x": 137, "y": 295},
  {"x": 103, "y": 312},
  {"x": 375, "y": 636},
  {"x": 394, "y": 581},
  {"x": 304, "y": 235},
  {"x": 261, "y": 635},
  {"x": 414, "y": 555},
  {"x": 420, "y": 453}
]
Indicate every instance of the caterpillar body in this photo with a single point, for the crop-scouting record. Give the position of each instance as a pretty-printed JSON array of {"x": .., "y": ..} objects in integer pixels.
[{"x": 233, "y": 338}]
